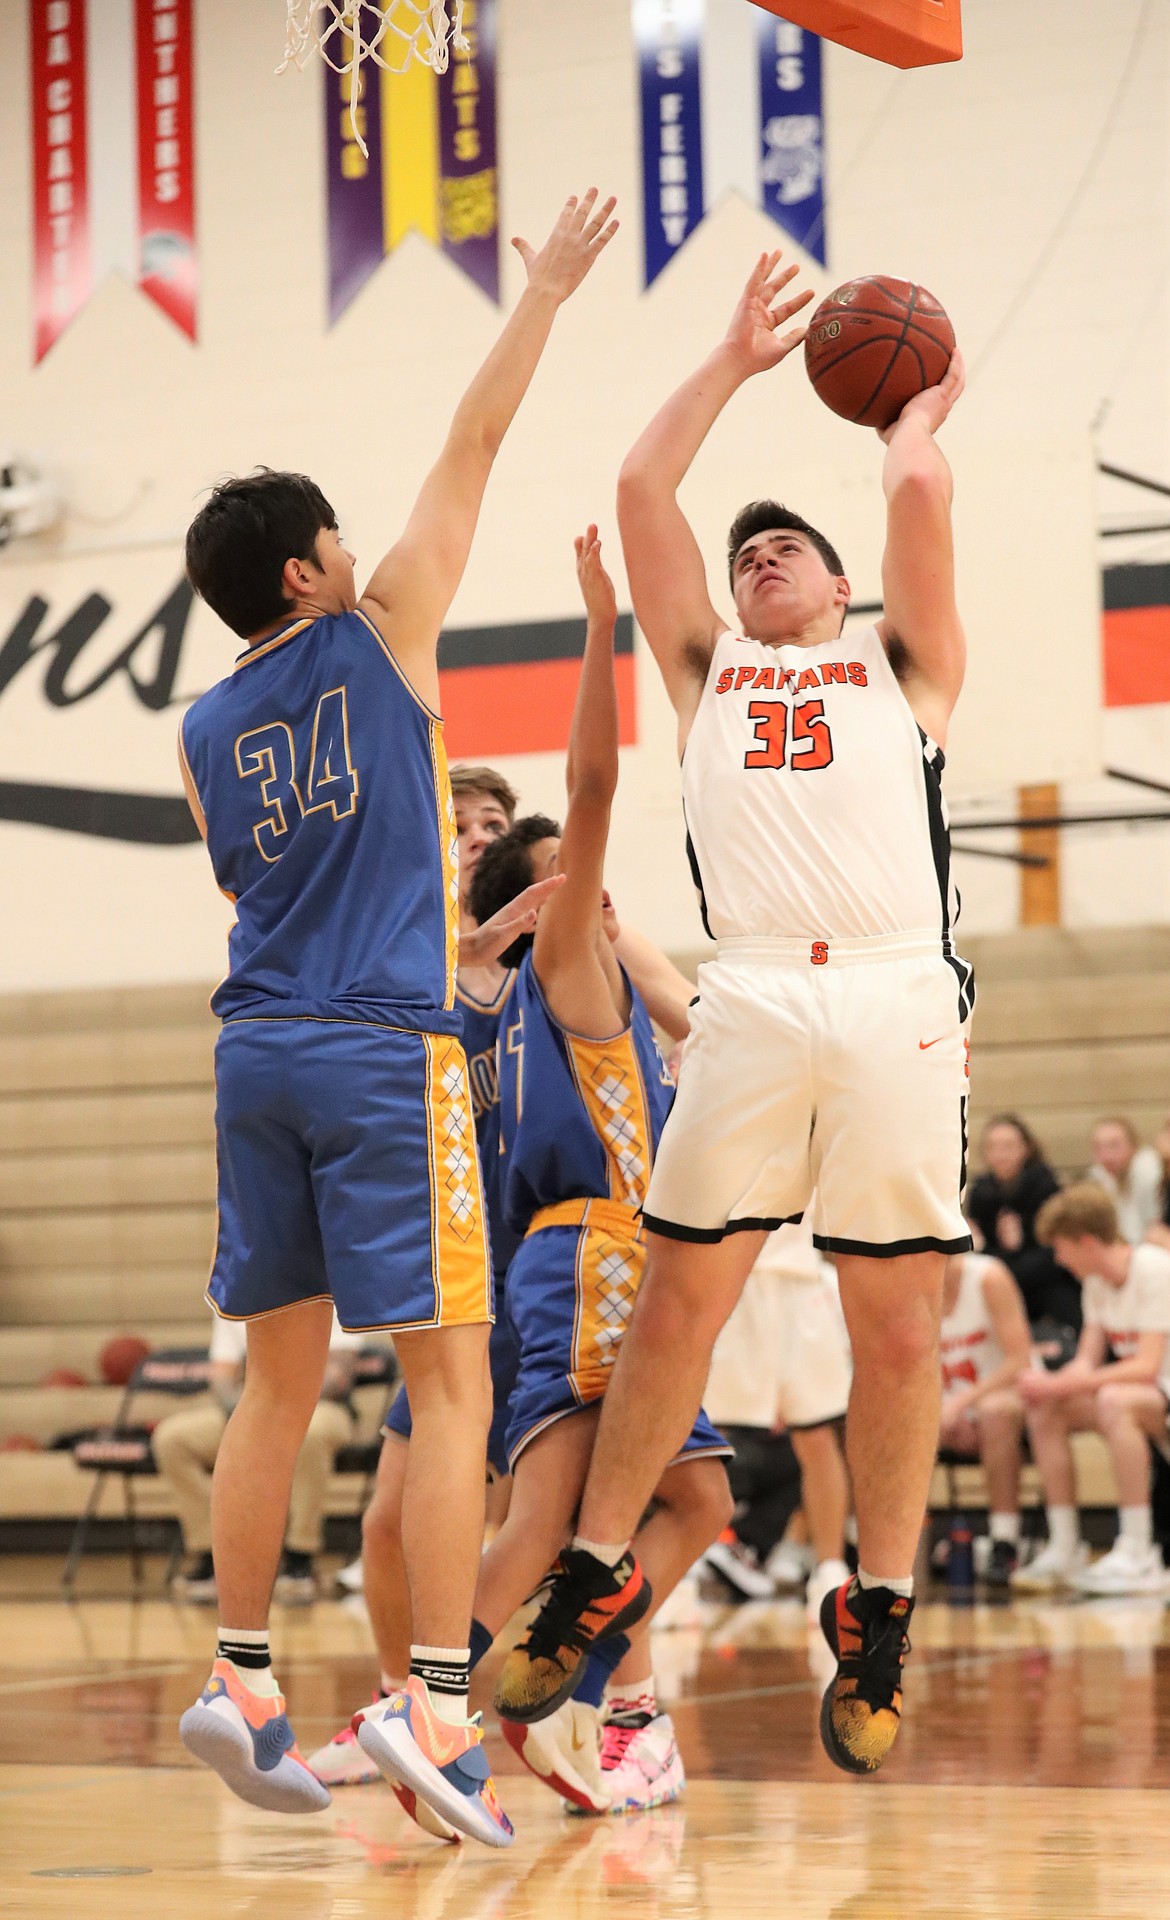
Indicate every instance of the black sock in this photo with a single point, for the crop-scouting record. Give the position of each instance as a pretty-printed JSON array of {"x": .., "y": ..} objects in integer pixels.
[
  {"x": 243, "y": 1649},
  {"x": 297, "y": 1564}
]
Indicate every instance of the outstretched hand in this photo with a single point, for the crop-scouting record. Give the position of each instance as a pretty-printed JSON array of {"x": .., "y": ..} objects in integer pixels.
[
  {"x": 480, "y": 944},
  {"x": 596, "y": 586},
  {"x": 582, "y": 230},
  {"x": 755, "y": 331},
  {"x": 931, "y": 407}
]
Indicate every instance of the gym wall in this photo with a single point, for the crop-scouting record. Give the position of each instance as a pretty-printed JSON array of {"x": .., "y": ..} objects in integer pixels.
[{"x": 1026, "y": 187}]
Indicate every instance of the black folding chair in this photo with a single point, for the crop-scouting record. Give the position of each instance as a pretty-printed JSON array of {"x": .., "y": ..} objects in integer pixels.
[
  {"x": 124, "y": 1449},
  {"x": 373, "y": 1367}
]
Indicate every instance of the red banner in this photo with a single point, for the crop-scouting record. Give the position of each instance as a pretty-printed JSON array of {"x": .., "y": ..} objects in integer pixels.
[
  {"x": 166, "y": 158},
  {"x": 62, "y": 267}
]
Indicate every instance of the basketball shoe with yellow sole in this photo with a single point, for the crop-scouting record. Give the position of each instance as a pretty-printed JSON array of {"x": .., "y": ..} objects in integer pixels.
[
  {"x": 860, "y": 1713},
  {"x": 582, "y": 1601}
]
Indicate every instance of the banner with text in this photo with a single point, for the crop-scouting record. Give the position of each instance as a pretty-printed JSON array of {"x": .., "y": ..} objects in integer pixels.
[
  {"x": 731, "y": 100},
  {"x": 430, "y": 165},
  {"x": 113, "y": 150}
]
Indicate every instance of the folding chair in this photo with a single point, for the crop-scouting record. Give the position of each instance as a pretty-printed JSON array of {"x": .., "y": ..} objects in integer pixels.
[{"x": 125, "y": 1450}]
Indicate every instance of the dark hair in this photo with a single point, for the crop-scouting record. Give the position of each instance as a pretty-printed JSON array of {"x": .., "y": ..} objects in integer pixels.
[
  {"x": 239, "y": 541},
  {"x": 504, "y": 870},
  {"x": 1035, "y": 1152},
  {"x": 761, "y": 516}
]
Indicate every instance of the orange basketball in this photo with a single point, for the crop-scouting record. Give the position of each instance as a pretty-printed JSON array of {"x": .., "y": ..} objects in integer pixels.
[
  {"x": 120, "y": 1356},
  {"x": 19, "y": 1443},
  {"x": 64, "y": 1377},
  {"x": 874, "y": 343}
]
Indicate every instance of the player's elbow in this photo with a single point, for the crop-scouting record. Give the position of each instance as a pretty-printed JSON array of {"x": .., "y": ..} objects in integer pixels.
[
  {"x": 592, "y": 782},
  {"x": 922, "y": 484}
]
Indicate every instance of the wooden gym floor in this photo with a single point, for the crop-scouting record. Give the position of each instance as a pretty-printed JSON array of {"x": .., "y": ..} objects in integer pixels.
[{"x": 1028, "y": 1781}]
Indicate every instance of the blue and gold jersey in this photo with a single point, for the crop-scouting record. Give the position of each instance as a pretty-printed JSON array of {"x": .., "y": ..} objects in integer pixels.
[
  {"x": 482, "y": 1022},
  {"x": 579, "y": 1119},
  {"x": 322, "y": 779}
]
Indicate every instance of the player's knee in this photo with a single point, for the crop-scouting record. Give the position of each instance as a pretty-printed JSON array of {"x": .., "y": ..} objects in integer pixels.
[
  {"x": 699, "y": 1495},
  {"x": 382, "y": 1523},
  {"x": 903, "y": 1341},
  {"x": 1114, "y": 1406}
]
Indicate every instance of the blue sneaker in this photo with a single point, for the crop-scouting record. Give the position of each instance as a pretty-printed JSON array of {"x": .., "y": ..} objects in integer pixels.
[
  {"x": 445, "y": 1766},
  {"x": 250, "y": 1744}
]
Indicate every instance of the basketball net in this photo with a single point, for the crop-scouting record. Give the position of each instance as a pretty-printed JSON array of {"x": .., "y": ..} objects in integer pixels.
[{"x": 338, "y": 32}]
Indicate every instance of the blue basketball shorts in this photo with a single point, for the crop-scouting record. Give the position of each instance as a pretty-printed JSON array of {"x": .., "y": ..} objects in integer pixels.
[
  {"x": 571, "y": 1288},
  {"x": 347, "y": 1168},
  {"x": 503, "y": 1356}
]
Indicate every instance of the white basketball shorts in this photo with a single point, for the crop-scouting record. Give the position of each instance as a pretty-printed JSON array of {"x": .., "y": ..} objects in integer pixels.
[
  {"x": 836, "y": 1067},
  {"x": 784, "y": 1353}
]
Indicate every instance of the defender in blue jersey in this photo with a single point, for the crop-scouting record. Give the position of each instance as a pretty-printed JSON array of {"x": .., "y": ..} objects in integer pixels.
[
  {"x": 584, "y": 1093},
  {"x": 347, "y": 1165}
]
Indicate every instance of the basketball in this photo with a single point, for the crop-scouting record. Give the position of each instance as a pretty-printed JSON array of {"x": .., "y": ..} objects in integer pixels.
[
  {"x": 64, "y": 1377},
  {"x": 19, "y": 1443},
  {"x": 874, "y": 343},
  {"x": 120, "y": 1356}
]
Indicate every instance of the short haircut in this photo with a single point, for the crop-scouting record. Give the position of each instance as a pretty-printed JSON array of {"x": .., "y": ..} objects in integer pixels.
[
  {"x": 1034, "y": 1151},
  {"x": 504, "y": 870},
  {"x": 239, "y": 541},
  {"x": 766, "y": 516},
  {"x": 467, "y": 780},
  {"x": 1080, "y": 1209}
]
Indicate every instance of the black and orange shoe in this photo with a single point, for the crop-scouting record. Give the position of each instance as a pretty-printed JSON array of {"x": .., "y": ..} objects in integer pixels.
[
  {"x": 584, "y": 1602},
  {"x": 862, "y": 1707}
]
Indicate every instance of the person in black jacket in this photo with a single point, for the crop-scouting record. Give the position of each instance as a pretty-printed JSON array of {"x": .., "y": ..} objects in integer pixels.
[{"x": 1002, "y": 1205}]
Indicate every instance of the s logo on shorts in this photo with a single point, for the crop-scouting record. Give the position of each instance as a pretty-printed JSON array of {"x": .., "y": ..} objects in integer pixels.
[{"x": 819, "y": 954}]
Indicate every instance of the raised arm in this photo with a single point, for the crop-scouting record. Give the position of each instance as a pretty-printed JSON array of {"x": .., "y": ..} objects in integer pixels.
[
  {"x": 413, "y": 586},
  {"x": 572, "y": 958},
  {"x": 667, "y": 578},
  {"x": 920, "y": 626}
]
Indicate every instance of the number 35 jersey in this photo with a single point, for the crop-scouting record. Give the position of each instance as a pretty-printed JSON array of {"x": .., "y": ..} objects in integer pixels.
[
  {"x": 322, "y": 780},
  {"x": 813, "y": 800}
]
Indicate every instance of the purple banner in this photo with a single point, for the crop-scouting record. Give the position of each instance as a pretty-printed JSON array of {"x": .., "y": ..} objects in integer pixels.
[
  {"x": 668, "y": 33},
  {"x": 354, "y": 184},
  {"x": 792, "y": 132},
  {"x": 469, "y": 200}
]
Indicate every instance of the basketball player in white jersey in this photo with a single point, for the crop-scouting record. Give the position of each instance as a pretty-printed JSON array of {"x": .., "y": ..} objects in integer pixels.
[
  {"x": 985, "y": 1345},
  {"x": 829, "y": 1045}
]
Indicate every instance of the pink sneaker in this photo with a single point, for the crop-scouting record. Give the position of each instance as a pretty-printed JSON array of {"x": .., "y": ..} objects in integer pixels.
[
  {"x": 250, "y": 1744},
  {"x": 341, "y": 1762},
  {"x": 443, "y": 1765}
]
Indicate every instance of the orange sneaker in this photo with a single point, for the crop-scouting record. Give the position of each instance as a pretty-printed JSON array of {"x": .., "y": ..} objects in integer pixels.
[
  {"x": 444, "y": 1766},
  {"x": 248, "y": 1741},
  {"x": 862, "y": 1708},
  {"x": 584, "y": 1601}
]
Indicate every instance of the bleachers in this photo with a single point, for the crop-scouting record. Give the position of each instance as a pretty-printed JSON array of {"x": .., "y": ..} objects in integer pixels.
[
  {"x": 107, "y": 1219},
  {"x": 107, "y": 1163}
]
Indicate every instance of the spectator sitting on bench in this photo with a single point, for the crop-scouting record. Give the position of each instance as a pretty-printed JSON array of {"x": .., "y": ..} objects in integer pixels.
[
  {"x": 185, "y": 1446},
  {"x": 1002, "y": 1205},
  {"x": 1132, "y": 1176},
  {"x": 1159, "y": 1229},
  {"x": 1118, "y": 1383},
  {"x": 985, "y": 1345}
]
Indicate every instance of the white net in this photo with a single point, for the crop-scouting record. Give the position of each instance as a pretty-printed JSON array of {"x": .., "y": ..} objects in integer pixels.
[{"x": 345, "y": 33}]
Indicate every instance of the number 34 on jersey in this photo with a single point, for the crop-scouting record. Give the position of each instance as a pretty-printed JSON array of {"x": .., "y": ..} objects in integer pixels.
[{"x": 269, "y": 755}]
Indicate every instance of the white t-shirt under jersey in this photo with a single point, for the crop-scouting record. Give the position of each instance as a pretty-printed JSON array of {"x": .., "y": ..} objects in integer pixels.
[
  {"x": 968, "y": 1347},
  {"x": 813, "y": 800},
  {"x": 1141, "y": 1305}
]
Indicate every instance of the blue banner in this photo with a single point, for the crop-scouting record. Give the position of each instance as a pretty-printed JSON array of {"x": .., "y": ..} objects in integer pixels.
[
  {"x": 668, "y": 33},
  {"x": 792, "y": 132}
]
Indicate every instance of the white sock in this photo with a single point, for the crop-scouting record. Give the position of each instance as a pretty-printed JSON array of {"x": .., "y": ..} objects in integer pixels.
[
  {"x": 1137, "y": 1528},
  {"x": 444, "y": 1672},
  {"x": 630, "y": 1696},
  {"x": 903, "y": 1588},
  {"x": 1005, "y": 1526},
  {"x": 1063, "y": 1531},
  {"x": 604, "y": 1550}
]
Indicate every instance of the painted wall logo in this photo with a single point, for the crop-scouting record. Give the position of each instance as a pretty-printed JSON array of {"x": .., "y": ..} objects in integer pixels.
[{"x": 505, "y": 690}]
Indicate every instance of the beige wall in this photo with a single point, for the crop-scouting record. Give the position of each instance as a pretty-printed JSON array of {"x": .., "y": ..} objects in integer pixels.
[{"x": 972, "y": 179}]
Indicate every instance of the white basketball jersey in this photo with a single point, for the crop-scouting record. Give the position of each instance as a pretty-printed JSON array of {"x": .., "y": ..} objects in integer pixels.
[
  {"x": 967, "y": 1342},
  {"x": 813, "y": 800}
]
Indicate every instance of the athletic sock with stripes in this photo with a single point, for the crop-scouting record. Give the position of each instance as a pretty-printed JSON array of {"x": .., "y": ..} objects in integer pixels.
[
  {"x": 446, "y": 1673},
  {"x": 247, "y": 1651}
]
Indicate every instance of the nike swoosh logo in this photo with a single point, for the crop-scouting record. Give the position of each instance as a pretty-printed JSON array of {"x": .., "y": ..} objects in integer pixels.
[
  {"x": 578, "y": 1744},
  {"x": 143, "y": 819},
  {"x": 925, "y": 1045}
]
